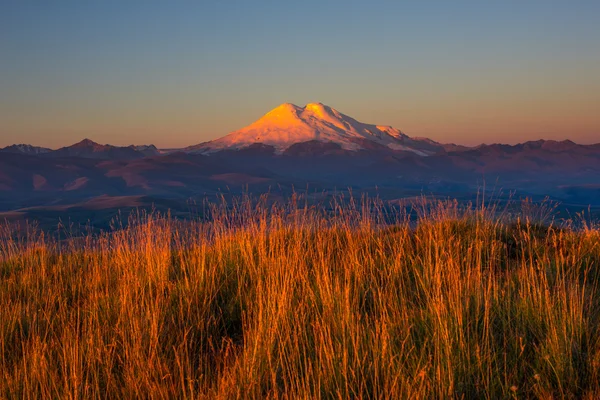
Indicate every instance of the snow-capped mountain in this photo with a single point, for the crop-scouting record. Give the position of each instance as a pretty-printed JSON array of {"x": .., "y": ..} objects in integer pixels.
[
  {"x": 25, "y": 149},
  {"x": 289, "y": 124}
]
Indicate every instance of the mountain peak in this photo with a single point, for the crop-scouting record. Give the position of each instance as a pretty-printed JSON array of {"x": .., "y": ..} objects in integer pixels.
[
  {"x": 319, "y": 109},
  {"x": 86, "y": 143},
  {"x": 288, "y": 124},
  {"x": 316, "y": 106},
  {"x": 286, "y": 106},
  {"x": 284, "y": 111}
]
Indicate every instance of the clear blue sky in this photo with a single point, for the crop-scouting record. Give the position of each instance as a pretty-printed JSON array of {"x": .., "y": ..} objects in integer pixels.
[{"x": 177, "y": 73}]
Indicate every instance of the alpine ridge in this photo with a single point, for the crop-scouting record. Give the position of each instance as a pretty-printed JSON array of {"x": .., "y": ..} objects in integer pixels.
[
  {"x": 25, "y": 149},
  {"x": 289, "y": 124}
]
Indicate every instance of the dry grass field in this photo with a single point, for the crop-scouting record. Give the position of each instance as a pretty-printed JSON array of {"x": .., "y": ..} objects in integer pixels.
[{"x": 293, "y": 302}]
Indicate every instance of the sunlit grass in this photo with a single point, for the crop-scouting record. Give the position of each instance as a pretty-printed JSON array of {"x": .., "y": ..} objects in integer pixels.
[{"x": 295, "y": 302}]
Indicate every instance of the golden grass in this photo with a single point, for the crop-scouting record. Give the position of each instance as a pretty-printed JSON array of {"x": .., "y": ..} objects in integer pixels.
[{"x": 291, "y": 302}]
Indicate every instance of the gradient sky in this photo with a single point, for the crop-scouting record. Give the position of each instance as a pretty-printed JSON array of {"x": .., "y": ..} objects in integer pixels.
[{"x": 177, "y": 73}]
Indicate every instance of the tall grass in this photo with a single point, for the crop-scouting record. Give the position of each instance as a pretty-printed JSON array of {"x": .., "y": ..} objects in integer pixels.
[{"x": 295, "y": 302}]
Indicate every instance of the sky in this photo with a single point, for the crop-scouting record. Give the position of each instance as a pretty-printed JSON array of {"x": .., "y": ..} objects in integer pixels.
[{"x": 177, "y": 73}]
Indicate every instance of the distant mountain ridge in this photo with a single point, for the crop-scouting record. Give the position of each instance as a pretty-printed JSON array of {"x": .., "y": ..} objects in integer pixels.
[
  {"x": 90, "y": 149},
  {"x": 86, "y": 149},
  {"x": 289, "y": 129},
  {"x": 314, "y": 146},
  {"x": 25, "y": 149}
]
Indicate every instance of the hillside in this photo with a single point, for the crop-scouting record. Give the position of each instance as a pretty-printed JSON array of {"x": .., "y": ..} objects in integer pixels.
[{"x": 288, "y": 302}]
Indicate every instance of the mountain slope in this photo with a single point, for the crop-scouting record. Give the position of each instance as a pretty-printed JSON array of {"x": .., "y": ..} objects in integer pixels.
[{"x": 289, "y": 124}]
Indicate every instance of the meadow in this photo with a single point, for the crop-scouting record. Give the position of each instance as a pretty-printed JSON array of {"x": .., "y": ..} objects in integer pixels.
[{"x": 290, "y": 301}]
